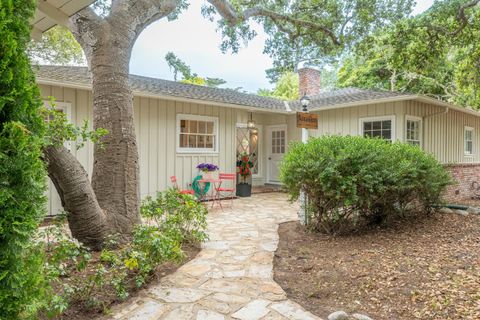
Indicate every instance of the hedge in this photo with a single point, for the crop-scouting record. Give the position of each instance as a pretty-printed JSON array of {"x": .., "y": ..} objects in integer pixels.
[
  {"x": 22, "y": 175},
  {"x": 354, "y": 181}
]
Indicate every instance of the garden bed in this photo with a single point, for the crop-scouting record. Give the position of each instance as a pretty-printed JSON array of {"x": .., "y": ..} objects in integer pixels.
[
  {"x": 107, "y": 298},
  {"x": 428, "y": 268}
]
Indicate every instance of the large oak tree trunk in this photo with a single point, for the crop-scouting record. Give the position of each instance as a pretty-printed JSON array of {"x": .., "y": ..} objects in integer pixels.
[
  {"x": 115, "y": 178},
  {"x": 110, "y": 204},
  {"x": 87, "y": 221}
]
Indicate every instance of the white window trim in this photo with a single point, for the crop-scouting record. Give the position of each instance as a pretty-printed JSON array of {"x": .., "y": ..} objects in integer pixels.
[
  {"x": 259, "y": 142},
  {"x": 414, "y": 118},
  {"x": 379, "y": 118},
  {"x": 465, "y": 129},
  {"x": 215, "y": 121}
]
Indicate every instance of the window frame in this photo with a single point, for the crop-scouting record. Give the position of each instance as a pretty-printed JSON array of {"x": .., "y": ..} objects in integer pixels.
[
  {"x": 414, "y": 118},
  {"x": 472, "y": 130},
  {"x": 215, "y": 120},
  {"x": 392, "y": 118}
]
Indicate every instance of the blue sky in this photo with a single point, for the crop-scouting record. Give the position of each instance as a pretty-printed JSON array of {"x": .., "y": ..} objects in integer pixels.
[{"x": 195, "y": 40}]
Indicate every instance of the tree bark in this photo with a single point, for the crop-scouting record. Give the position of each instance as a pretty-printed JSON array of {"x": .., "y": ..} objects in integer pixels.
[
  {"x": 87, "y": 221},
  {"x": 115, "y": 177}
]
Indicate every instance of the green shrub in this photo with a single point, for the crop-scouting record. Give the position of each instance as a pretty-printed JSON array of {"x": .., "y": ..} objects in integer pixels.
[
  {"x": 351, "y": 181},
  {"x": 22, "y": 175},
  {"x": 177, "y": 215},
  {"x": 173, "y": 219}
]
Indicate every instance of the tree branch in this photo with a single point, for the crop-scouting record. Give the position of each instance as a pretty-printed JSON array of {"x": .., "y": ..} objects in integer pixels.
[
  {"x": 85, "y": 27},
  {"x": 228, "y": 12},
  {"x": 461, "y": 16},
  {"x": 141, "y": 13}
]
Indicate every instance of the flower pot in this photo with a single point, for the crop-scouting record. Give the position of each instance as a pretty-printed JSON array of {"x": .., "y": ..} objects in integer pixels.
[
  {"x": 207, "y": 175},
  {"x": 244, "y": 190}
]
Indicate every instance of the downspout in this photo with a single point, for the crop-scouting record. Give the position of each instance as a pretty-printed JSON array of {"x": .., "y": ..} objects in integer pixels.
[{"x": 430, "y": 116}]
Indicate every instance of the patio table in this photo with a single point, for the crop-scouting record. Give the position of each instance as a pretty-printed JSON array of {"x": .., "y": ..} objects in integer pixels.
[{"x": 213, "y": 195}]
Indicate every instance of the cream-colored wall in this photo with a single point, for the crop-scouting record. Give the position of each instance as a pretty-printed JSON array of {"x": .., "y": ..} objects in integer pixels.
[
  {"x": 443, "y": 134},
  {"x": 346, "y": 121},
  {"x": 155, "y": 126}
]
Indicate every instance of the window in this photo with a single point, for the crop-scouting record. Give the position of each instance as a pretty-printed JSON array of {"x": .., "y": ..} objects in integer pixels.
[
  {"x": 278, "y": 141},
  {"x": 382, "y": 127},
  {"x": 468, "y": 136},
  {"x": 197, "y": 133},
  {"x": 413, "y": 130}
]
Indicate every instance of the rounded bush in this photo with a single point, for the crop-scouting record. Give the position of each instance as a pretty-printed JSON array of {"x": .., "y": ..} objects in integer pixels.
[{"x": 352, "y": 181}]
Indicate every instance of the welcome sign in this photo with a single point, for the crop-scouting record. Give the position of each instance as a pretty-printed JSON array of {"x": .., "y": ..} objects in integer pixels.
[{"x": 307, "y": 120}]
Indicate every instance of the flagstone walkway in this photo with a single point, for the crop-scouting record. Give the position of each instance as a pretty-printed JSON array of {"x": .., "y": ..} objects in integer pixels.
[{"x": 232, "y": 277}]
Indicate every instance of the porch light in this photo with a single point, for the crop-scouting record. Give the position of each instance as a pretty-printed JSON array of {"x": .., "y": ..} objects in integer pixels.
[
  {"x": 250, "y": 122},
  {"x": 305, "y": 101}
]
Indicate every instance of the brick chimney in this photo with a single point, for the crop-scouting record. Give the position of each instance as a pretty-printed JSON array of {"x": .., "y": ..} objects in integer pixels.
[{"x": 309, "y": 81}]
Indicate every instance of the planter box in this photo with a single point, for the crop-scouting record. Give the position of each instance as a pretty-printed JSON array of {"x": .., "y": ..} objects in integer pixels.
[{"x": 244, "y": 190}]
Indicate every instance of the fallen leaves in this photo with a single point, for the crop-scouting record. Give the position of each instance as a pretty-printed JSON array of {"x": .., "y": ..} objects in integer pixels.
[{"x": 424, "y": 269}]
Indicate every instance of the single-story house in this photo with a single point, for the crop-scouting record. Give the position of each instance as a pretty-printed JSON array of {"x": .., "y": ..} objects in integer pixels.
[{"x": 180, "y": 125}]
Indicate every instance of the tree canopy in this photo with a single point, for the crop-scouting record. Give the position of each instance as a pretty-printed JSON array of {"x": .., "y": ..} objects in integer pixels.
[
  {"x": 436, "y": 54},
  {"x": 57, "y": 46}
]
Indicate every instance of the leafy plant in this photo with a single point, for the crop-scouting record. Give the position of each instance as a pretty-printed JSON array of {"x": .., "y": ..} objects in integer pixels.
[
  {"x": 59, "y": 130},
  {"x": 22, "y": 175},
  {"x": 177, "y": 215},
  {"x": 352, "y": 181},
  {"x": 244, "y": 166},
  {"x": 120, "y": 267},
  {"x": 207, "y": 167}
]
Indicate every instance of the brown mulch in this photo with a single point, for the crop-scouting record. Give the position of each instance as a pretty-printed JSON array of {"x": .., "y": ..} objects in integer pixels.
[
  {"x": 423, "y": 269},
  {"x": 78, "y": 311},
  {"x": 467, "y": 202}
]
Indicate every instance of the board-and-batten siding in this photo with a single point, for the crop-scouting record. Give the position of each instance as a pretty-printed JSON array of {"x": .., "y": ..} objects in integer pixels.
[
  {"x": 155, "y": 126},
  {"x": 443, "y": 133}
]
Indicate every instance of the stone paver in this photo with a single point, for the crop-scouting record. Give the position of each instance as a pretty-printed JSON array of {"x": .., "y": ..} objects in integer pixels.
[{"x": 232, "y": 277}]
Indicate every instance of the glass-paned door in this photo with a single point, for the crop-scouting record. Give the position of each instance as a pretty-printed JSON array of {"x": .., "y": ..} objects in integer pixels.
[{"x": 247, "y": 142}]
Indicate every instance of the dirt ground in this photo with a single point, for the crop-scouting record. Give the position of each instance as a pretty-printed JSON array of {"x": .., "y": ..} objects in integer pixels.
[
  {"x": 467, "y": 202},
  {"x": 80, "y": 312},
  {"x": 424, "y": 269}
]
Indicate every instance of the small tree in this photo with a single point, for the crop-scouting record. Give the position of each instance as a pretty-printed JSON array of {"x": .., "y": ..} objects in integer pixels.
[{"x": 22, "y": 175}]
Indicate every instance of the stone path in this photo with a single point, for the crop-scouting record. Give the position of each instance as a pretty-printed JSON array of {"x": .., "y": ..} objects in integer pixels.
[{"x": 232, "y": 277}]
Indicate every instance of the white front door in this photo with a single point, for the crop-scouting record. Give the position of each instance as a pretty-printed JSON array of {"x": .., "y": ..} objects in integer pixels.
[{"x": 277, "y": 143}]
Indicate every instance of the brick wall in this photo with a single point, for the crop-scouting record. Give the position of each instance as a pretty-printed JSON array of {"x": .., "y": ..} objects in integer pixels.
[{"x": 465, "y": 175}]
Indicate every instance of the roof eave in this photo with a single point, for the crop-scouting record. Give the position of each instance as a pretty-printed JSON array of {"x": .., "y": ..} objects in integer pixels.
[
  {"x": 419, "y": 98},
  {"x": 75, "y": 85}
]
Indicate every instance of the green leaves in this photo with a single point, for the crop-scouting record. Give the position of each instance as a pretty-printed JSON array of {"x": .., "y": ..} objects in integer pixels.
[
  {"x": 351, "y": 181},
  {"x": 435, "y": 53},
  {"x": 60, "y": 130},
  {"x": 22, "y": 175}
]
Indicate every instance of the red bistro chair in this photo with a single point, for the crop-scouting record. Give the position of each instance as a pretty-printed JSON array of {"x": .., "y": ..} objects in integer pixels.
[
  {"x": 226, "y": 191},
  {"x": 175, "y": 185}
]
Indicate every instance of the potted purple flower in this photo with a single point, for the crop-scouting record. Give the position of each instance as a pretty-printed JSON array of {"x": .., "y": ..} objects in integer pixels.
[{"x": 207, "y": 169}]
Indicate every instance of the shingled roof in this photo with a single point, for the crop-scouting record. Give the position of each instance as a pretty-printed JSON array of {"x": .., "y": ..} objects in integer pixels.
[
  {"x": 345, "y": 96},
  {"x": 157, "y": 87},
  {"x": 160, "y": 87}
]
